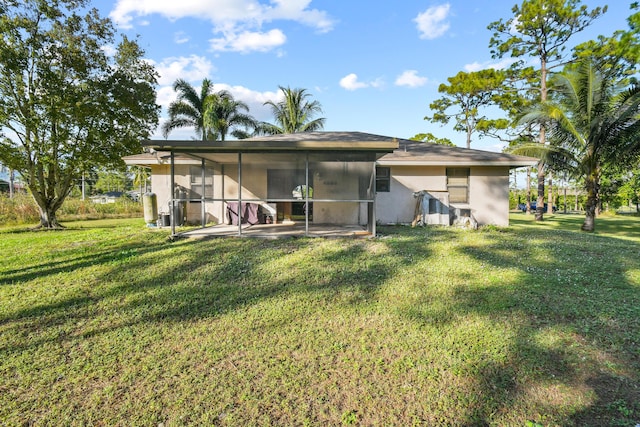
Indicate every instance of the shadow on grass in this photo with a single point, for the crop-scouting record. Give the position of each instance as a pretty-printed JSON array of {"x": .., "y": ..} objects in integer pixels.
[
  {"x": 194, "y": 279},
  {"x": 576, "y": 291}
]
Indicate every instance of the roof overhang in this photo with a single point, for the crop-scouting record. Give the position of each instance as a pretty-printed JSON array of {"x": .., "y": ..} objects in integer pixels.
[
  {"x": 298, "y": 142},
  {"x": 510, "y": 163}
]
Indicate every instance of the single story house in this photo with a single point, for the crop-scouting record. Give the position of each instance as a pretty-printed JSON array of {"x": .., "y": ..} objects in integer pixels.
[{"x": 344, "y": 178}]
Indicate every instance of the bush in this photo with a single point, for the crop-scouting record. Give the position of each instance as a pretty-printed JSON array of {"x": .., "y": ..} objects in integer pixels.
[
  {"x": 85, "y": 209},
  {"x": 22, "y": 209}
]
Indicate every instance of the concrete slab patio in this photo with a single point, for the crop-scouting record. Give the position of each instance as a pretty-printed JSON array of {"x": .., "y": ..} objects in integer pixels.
[{"x": 278, "y": 231}]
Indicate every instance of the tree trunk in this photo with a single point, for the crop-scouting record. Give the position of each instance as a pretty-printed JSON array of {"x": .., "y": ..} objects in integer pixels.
[
  {"x": 529, "y": 190},
  {"x": 591, "y": 205},
  {"x": 550, "y": 196},
  {"x": 48, "y": 207},
  {"x": 48, "y": 218},
  {"x": 543, "y": 141},
  {"x": 540, "y": 200}
]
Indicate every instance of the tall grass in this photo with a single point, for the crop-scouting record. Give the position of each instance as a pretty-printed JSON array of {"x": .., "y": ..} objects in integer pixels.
[{"x": 22, "y": 209}]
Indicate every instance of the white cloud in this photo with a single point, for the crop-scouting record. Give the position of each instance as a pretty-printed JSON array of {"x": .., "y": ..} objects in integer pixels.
[
  {"x": 180, "y": 37},
  {"x": 477, "y": 66},
  {"x": 190, "y": 68},
  {"x": 351, "y": 82},
  {"x": 240, "y": 22},
  {"x": 432, "y": 22},
  {"x": 254, "y": 99},
  {"x": 410, "y": 78},
  {"x": 249, "y": 41},
  {"x": 109, "y": 50}
]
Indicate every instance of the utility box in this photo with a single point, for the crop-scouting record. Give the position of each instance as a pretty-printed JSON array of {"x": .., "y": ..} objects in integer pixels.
[{"x": 150, "y": 207}]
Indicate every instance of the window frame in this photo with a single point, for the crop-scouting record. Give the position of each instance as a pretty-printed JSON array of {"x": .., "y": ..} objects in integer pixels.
[
  {"x": 196, "y": 185},
  {"x": 384, "y": 179},
  {"x": 455, "y": 176}
]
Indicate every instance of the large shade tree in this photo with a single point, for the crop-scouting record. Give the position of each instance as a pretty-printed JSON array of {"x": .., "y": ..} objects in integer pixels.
[
  {"x": 592, "y": 122},
  {"x": 67, "y": 106},
  {"x": 294, "y": 113}
]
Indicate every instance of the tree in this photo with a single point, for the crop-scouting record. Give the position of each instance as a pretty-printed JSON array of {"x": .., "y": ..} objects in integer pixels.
[
  {"x": 630, "y": 190},
  {"x": 141, "y": 177},
  {"x": 111, "y": 180},
  {"x": 592, "y": 124},
  {"x": 66, "y": 105},
  {"x": 189, "y": 109},
  {"x": 223, "y": 113},
  {"x": 620, "y": 52},
  {"x": 540, "y": 29},
  {"x": 295, "y": 113},
  {"x": 432, "y": 139},
  {"x": 463, "y": 100}
]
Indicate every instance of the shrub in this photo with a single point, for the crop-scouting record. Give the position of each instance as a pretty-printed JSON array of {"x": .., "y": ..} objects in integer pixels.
[
  {"x": 18, "y": 210},
  {"x": 22, "y": 209}
]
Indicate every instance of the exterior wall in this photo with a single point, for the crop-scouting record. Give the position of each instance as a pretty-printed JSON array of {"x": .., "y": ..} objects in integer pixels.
[
  {"x": 192, "y": 211},
  {"x": 337, "y": 213},
  {"x": 161, "y": 185},
  {"x": 488, "y": 193},
  {"x": 398, "y": 205},
  {"x": 254, "y": 186}
]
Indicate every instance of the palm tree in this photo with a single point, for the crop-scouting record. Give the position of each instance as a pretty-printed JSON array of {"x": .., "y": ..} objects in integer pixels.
[
  {"x": 140, "y": 178},
  {"x": 595, "y": 123},
  {"x": 224, "y": 113},
  {"x": 188, "y": 110},
  {"x": 295, "y": 113}
]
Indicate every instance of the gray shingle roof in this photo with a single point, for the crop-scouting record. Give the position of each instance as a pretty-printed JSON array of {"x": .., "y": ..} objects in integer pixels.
[
  {"x": 405, "y": 152},
  {"x": 427, "y": 154}
]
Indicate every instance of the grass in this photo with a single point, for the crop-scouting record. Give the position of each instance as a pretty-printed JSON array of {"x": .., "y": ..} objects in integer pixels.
[{"x": 110, "y": 323}]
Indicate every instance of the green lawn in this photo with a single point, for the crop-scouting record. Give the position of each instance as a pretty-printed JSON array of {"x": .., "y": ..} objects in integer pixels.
[{"x": 110, "y": 323}]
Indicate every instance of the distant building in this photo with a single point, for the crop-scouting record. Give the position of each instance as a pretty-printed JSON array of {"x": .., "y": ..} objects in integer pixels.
[{"x": 5, "y": 180}]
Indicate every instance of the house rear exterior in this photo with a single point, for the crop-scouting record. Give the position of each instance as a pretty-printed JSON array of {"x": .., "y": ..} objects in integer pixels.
[{"x": 346, "y": 178}]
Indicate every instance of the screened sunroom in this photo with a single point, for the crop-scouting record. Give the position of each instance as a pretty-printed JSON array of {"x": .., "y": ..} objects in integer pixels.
[{"x": 308, "y": 180}]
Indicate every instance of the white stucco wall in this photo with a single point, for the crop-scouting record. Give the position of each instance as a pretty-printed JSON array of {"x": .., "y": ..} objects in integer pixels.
[
  {"x": 398, "y": 205},
  {"x": 488, "y": 193}
]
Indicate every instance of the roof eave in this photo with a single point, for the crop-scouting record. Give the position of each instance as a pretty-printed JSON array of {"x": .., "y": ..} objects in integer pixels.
[
  {"x": 266, "y": 146},
  {"x": 510, "y": 164}
]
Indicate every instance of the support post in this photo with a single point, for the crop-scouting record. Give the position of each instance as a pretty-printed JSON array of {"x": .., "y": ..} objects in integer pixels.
[
  {"x": 202, "y": 197},
  {"x": 371, "y": 214},
  {"x": 172, "y": 212},
  {"x": 306, "y": 196},
  {"x": 240, "y": 194}
]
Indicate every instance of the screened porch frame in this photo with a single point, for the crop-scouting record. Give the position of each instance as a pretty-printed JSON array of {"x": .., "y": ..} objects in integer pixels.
[{"x": 204, "y": 162}]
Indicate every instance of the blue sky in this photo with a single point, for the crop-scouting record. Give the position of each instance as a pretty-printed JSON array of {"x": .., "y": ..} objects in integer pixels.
[{"x": 373, "y": 65}]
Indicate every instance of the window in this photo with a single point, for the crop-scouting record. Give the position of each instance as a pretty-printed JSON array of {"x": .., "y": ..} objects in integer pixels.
[
  {"x": 196, "y": 182},
  {"x": 458, "y": 185},
  {"x": 383, "y": 179}
]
